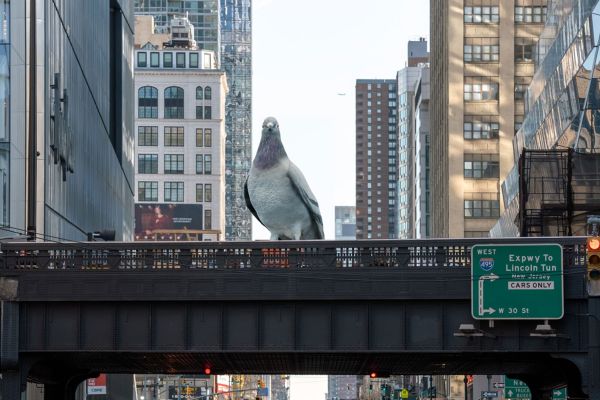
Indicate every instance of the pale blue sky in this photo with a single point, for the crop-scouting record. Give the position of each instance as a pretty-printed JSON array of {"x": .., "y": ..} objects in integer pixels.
[{"x": 304, "y": 54}]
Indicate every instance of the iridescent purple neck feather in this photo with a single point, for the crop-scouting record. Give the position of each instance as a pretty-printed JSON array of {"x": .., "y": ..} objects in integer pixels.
[{"x": 270, "y": 151}]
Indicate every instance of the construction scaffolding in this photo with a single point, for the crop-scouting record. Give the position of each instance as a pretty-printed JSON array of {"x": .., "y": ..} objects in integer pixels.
[{"x": 558, "y": 190}]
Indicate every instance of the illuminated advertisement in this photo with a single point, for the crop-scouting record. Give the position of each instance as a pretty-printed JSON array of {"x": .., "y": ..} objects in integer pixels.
[{"x": 160, "y": 221}]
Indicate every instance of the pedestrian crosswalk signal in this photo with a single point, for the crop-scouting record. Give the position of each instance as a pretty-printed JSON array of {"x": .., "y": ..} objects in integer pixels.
[{"x": 593, "y": 258}]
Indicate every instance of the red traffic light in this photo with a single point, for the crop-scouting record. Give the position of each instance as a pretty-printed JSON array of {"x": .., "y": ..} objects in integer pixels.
[
  {"x": 593, "y": 244},
  {"x": 206, "y": 371},
  {"x": 373, "y": 375}
]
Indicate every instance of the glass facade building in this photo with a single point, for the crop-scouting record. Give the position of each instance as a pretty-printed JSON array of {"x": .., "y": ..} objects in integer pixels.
[
  {"x": 66, "y": 119},
  {"x": 562, "y": 102},
  {"x": 203, "y": 14},
  {"x": 5, "y": 111},
  {"x": 407, "y": 78},
  {"x": 236, "y": 58}
]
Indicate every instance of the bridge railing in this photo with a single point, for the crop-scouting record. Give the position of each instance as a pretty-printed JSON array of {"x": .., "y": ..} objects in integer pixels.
[{"x": 111, "y": 256}]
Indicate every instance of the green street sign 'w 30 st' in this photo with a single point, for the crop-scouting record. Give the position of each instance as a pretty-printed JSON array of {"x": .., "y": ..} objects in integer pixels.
[{"x": 517, "y": 281}]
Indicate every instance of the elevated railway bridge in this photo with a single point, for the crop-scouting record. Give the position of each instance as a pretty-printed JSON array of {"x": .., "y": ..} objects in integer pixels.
[{"x": 72, "y": 310}]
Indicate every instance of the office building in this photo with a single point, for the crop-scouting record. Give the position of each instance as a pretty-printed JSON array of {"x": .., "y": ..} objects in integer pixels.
[
  {"x": 345, "y": 222},
  {"x": 180, "y": 146},
  {"x": 404, "y": 152},
  {"x": 562, "y": 109},
  {"x": 342, "y": 387},
  {"x": 482, "y": 60},
  {"x": 66, "y": 159},
  {"x": 417, "y": 52},
  {"x": 225, "y": 27},
  {"x": 202, "y": 14},
  {"x": 376, "y": 161},
  {"x": 422, "y": 159},
  {"x": 236, "y": 57}
]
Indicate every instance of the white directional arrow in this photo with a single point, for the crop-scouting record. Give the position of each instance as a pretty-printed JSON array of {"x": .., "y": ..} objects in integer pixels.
[
  {"x": 510, "y": 392},
  {"x": 491, "y": 277}
]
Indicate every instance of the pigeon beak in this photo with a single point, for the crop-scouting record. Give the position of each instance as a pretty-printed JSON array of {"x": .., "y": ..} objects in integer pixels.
[{"x": 270, "y": 126}]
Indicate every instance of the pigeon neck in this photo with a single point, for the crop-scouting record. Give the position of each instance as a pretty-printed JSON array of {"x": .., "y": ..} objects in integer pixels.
[{"x": 270, "y": 151}]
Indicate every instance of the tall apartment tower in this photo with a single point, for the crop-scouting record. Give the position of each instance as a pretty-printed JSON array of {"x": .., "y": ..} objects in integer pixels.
[
  {"x": 376, "y": 161},
  {"x": 482, "y": 60},
  {"x": 224, "y": 26}
]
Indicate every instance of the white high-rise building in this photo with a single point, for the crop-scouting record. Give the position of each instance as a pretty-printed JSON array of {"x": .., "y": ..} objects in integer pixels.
[{"x": 180, "y": 137}]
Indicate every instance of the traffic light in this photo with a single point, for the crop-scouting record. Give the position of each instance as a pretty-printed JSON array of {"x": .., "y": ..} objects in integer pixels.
[{"x": 593, "y": 258}]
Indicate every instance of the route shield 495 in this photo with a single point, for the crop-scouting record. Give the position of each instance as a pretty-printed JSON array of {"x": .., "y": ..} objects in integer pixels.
[{"x": 517, "y": 281}]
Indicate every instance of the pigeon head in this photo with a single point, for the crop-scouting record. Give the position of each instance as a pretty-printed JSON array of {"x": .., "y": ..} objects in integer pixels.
[
  {"x": 270, "y": 127},
  {"x": 270, "y": 149}
]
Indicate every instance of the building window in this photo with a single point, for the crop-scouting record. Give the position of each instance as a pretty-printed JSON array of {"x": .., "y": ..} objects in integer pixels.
[
  {"x": 173, "y": 102},
  {"x": 199, "y": 93},
  {"x": 174, "y": 136},
  {"x": 193, "y": 60},
  {"x": 518, "y": 122},
  {"x": 208, "y": 137},
  {"x": 207, "y": 164},
  {"x": 199, "y": 163},
  {"x": 173, "y": 163},
  {"x": 180, "y": 60},
  {"x": 521, "y": 84},
  {"x": 199, "y": 192},
  {"x": 203, "y": 137},
  {"x": 154, "y": 59},
  {"x": 524, "y": 49},
  {"x": 147, "y": 191},
  {"x": 208, "y": 192},
  {"x": 208, "y": 93},
  {"x": 207, "y": 219},
  {"x": 148, "y": 102},
  {"x": 481, "y": 49},
  {"x": 148, "y": 163},
  {"x": 174, "y": 191},
  {"x": 481, "y": 127},
  {"x": 199, "y": 112},
  {"x": 199, "y": 137},
  {"x": 482, "y": 15},
  {"x": 142, "y": 59},
  {"x": 530, "y": 14},
  {"x": 148, "y": 135},
  {"x": 167, "y": 60},
  {"x": 207, "y": 112},
  {"x": 482, "y": 209},
  {"x": 481, "y": 166},
  {"x": 480, "y": 89}
]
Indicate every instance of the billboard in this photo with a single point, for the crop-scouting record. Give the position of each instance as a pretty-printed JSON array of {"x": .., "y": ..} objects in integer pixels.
[
  {"x": 167, "y": 221},
  {"x": 97, "y": 385}
]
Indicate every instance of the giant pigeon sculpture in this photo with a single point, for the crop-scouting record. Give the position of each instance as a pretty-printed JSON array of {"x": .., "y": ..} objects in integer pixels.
[{"x": 277, "y": 193}]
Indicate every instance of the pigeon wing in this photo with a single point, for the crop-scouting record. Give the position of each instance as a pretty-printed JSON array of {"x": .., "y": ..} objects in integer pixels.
[
  {"x": 308, "y": 198},
  {"x": 249, "y": 203}
]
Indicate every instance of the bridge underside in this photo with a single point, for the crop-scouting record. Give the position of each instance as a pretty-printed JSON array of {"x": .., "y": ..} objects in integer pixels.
[{"x": 299, "y": 363}]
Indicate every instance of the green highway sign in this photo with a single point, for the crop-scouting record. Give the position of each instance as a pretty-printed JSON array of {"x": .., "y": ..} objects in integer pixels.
[
  {"x": 559, "y": 394},
  {"x": 517, "y": 281},
  {"x": 515, "y": 389}
]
